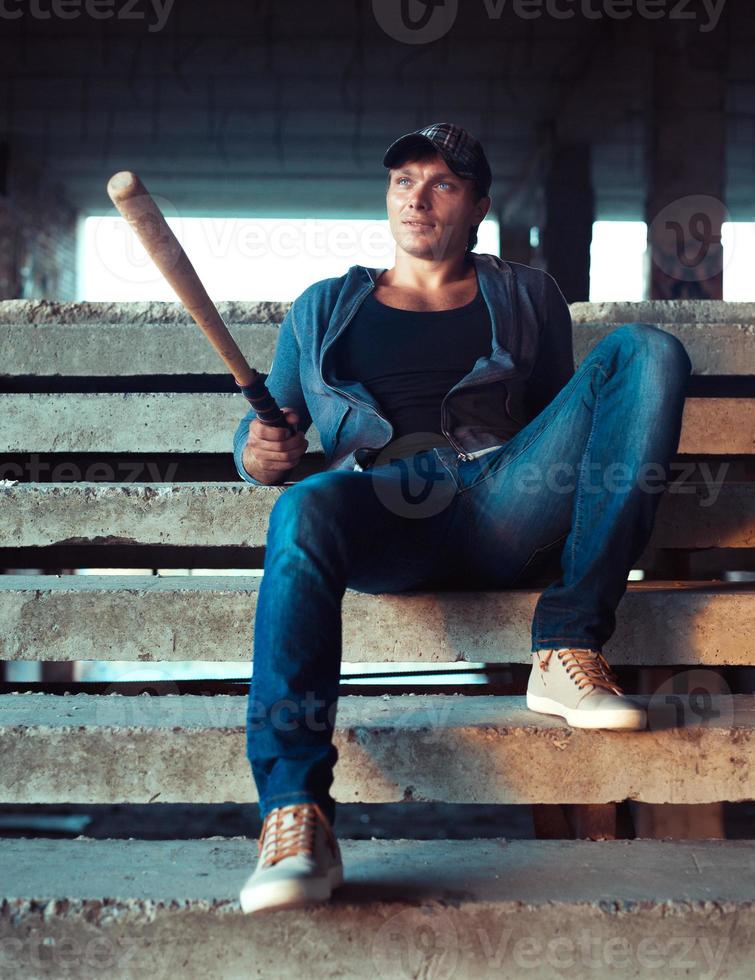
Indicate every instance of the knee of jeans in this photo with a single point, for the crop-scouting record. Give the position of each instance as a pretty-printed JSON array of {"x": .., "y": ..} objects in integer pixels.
[
  {"x": 658, "y": 344},
  {"x": 305, "y": 504},
  {"x": 291, "y": 507}
]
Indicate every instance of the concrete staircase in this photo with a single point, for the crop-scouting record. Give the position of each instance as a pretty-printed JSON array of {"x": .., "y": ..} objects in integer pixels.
[{"x": 435, "y": 909}]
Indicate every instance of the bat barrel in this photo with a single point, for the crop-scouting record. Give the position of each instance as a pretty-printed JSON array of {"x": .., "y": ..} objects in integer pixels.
[
  {"x": 123, "y": 185},
  {"x": 135, "y": 203}
]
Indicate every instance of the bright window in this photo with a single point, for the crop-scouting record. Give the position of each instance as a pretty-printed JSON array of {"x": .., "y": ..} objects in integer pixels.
[
  {"x": 240, "y": 258},
  {"x": 617, "y": 260},
  {"x": 738, "y": 239},
  {"x": 617, "y": 257}
]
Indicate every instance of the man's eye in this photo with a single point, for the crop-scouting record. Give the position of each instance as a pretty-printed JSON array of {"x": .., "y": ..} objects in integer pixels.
[{"x": 441, "y": 183}]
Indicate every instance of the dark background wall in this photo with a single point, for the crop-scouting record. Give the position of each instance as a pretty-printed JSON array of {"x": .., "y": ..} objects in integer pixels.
[{"x": 285, "y": 108}]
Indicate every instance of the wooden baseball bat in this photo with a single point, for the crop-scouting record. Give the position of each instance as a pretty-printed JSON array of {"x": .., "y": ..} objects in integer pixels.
[{"x": 135, "y": 203}]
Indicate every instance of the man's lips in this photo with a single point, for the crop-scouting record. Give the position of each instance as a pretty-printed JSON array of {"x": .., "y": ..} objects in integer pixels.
[{"x": 416, "y": 224}]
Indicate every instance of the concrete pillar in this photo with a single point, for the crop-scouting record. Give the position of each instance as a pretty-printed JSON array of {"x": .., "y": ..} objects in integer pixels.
[
  {"x": 684, "y": 213},
  {"x": 569, "y": 210},
  {"x": 686, "y": 161},
  {"x": 37, "y": 232}
]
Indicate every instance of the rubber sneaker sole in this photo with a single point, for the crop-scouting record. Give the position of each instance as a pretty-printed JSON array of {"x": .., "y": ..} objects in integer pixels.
[
  {"x": 620, "y": 719},
  {"x": 291, "y": 893}
]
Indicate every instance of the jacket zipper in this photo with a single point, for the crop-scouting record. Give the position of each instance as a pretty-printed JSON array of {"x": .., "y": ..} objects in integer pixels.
[
  {"x": 460, "y": 454},
  {"x": 515, "y": 308},
  {"x": 356, "y": 401}
]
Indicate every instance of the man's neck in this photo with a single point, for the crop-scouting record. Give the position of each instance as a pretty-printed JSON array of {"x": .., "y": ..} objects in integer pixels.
[{"x": 427, "y": 275}]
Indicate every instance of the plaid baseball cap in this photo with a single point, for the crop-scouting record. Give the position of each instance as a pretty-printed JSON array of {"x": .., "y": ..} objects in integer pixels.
[{"x": 461, "y": 151}]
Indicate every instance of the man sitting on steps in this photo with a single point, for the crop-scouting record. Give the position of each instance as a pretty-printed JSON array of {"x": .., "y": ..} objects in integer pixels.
[{"x": 462, "y": 449}]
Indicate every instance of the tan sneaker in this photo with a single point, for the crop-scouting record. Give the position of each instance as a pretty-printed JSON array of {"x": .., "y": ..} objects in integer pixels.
[
  {"x": 299, "y": 861},
  {"x": 578, "y": 685}
]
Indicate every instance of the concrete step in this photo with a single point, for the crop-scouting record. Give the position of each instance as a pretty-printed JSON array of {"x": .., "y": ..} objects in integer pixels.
[
  {"x": 698, "y": 312},
  {"x": 705, "y": 514},
  {"x": 456, "y": 748},
  {"x": 43, "y": 338},
  {"x": 467, "y": 910},
  {"x": 180, "y": 618},
  {"x": 205, "y": 423}
]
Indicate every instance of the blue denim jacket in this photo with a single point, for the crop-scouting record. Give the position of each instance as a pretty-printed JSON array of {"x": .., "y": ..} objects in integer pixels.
[{"x": 530, "y": 360}]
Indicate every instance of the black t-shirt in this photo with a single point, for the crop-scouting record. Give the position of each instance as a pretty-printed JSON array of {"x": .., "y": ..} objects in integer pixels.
[{"x": 409, "y": 360}]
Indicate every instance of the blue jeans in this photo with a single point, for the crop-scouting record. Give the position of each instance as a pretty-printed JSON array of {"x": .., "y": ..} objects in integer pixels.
[{"x": 583, "y": 477}]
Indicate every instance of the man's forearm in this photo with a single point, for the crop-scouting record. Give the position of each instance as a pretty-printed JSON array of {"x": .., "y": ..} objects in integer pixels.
[{"x": 253, "y": 468}]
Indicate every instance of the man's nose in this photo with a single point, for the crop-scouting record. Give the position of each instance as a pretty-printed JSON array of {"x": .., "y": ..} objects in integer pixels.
[{"x": 419, "y": 196}]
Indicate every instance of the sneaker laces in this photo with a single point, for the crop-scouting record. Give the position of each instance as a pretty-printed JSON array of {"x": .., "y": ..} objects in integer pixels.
[
  {"x": 288, "y": 831},
  {"x": 587, "y": 668}
]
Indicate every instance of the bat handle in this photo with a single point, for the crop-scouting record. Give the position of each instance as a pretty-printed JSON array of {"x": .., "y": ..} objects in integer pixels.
[{"x": 258, "y": 396}]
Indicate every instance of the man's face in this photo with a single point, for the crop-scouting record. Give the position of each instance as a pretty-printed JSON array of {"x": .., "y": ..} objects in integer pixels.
[{"x": 430, "y": 209}]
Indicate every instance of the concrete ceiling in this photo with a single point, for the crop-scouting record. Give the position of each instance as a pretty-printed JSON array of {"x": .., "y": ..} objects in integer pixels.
[{"x": 286, "y": 108}]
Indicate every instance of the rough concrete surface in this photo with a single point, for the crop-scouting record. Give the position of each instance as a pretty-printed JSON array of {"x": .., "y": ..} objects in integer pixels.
[
  {"x": 136, "y": 513},
  {"x": 43, "y": 338},
  {"x": 715, "y": 347},
  {"x": 182, "y": 618},
  {"x": 206, "y": 423},
  {"x": 692, "y": 515},
  {"x": 460, "y": 910},
  {"x": 143, "y": 423},
  {"x": 665, "y": 311},
  {"x": 454, "y": 748},
  {"x": 17, "y": 312}
]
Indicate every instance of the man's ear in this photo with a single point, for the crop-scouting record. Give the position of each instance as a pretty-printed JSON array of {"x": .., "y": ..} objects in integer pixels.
[{"x": 481, "y": 209}]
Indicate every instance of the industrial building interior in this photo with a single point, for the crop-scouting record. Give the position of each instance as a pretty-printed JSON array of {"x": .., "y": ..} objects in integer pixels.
[{"x": 250, "y": 110}]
